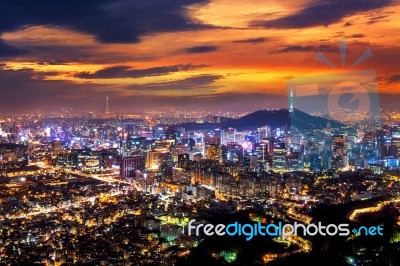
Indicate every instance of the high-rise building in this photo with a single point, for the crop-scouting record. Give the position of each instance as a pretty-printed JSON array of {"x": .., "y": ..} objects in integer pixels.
[
  {"x": 270, "y": 146},
  {"x": 250, "y": 160},
  {"x": 180, "y": 175},
  {"x": 170, "y": 133},
  {"x": 295, "y": 161},
  {"x": 153, "y": 159},
  {"x": 212, "y": 152},
  {"x": 369, "y": 140},
  {"x": 261, "y": 133},
  {"x": 129, "y": 165},
  {"x": 213, "y": 140},
  {"x": 229, "y": 136},
  {"x": 158, "y": 133},
  {"x": 315, "y": 161},
  {"x": 279, "y": 156},
  {"x": 234, "y": 151},
  {"x": 262, "y": 151},
  {"x": 224, "y": 153},
  {"x": 339, "y": 154},
  {"x": 394, "y": 130},
  {"x": 272, "y": 188},
  {"x": 392, "y": 151},
  {"x": 370, "y": 149},
  {"x": 239, "y": 137},
  {"x": 183, "y": 160},
  {"x": 396, "y": 142},
  {"x": 166, "y": 157},
  {"x": 56, "y": 147},
  {"x": 179, "y": 149}
]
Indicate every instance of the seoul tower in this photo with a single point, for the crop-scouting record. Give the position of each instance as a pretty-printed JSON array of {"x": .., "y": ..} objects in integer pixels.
[
  {"x": 291, "y": 101},
  {"x": 291, "y": 108}
]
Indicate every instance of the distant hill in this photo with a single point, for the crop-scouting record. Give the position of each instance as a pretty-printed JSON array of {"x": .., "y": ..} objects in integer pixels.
[
  {"x": 273, "y": 118},
  {"x": 304, "y": 121},
  {"x": 281, "y": 118}
]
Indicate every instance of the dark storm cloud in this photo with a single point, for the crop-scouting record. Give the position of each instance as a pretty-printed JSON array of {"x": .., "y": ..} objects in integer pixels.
[
  {"x": 191, "y": 83},
  {"x": 128, "y": 72},
  {"x": 394, "y": 78},
  {"x": 323, "y": 13},
  {"x": 50, "y": 54},
  {"x": 356, "y": 35},
  {"x": 306, "y": 48},
  {"x": 252, "y": 40},
  {"x": 53, "y": 62},
  {"x": 200, "y": 49},
  {"x": 59, "y": 53},
  {"x": 120, "y": 21},
  {"x": 376, "y": 19},
  {"x": 25, "y": 90},
  {"x": 9, "y": 50}
]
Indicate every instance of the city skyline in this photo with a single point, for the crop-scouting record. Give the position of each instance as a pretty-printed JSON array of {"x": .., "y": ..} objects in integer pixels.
[
  {"x": 199, "y": 132},
  {"x": 186, "y": 54}
]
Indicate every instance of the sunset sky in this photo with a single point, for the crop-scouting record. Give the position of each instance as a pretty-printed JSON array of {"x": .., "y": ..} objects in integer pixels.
[{"x": 186, "y": 54}]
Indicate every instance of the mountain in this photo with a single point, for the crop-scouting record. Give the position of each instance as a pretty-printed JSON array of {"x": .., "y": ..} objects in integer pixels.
[
  {"x": 273, "y": 118},
  {"x": 281, "y": 118},
  {"x": 304, "y": 121}
]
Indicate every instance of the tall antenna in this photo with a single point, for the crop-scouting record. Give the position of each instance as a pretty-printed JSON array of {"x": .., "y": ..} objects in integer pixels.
[{"x": 107, "y": 113}]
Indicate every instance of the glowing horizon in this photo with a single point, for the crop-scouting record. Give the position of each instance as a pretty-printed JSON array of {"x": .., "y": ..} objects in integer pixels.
[{"x": 187, "y": 51}]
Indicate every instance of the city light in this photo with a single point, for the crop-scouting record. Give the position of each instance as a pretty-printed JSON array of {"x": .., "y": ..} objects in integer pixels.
[{"x": 200, "y": 132}]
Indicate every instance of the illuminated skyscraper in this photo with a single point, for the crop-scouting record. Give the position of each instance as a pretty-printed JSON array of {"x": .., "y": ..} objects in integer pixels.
[
  {"x": 250, "y": 160},
  {"x": 339, "y": 158},
  {"x": 212, "y": 152},
  {"x": 130, "y": 164},
  {"x": 396, "y": 142},
  {"x": 153, "y": 159},
  {"x": 213, "y": 140},
  {"x": 279, "y": 157},
  {"x": 183, "y": 160},
  {"x": 178, "y": 149},
  {"x": 228, "y": 135},
  {"x": 370, "y": 149},
  {"x": 263, "y": 133}
]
